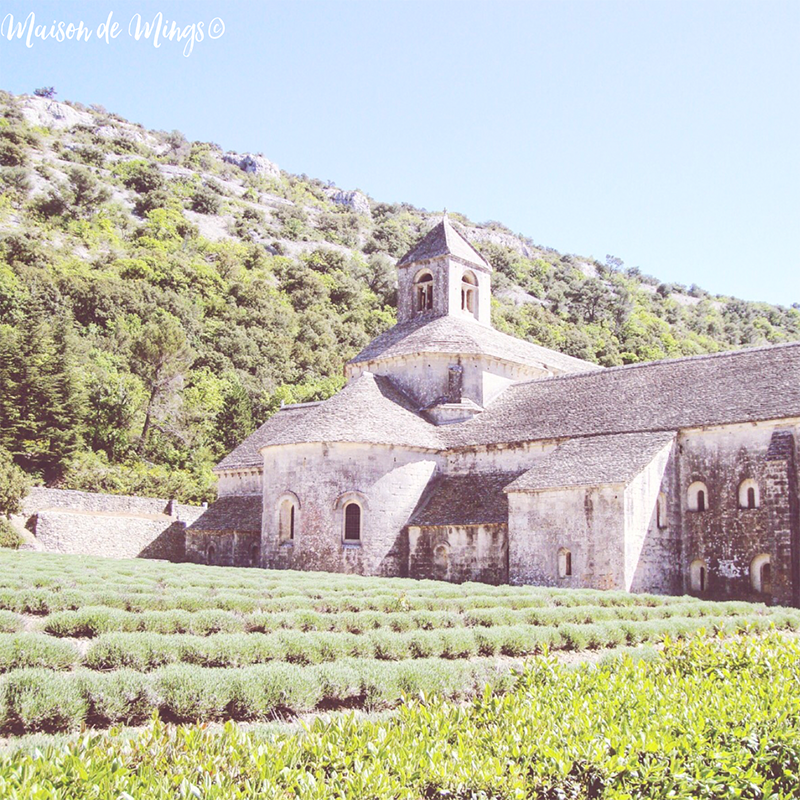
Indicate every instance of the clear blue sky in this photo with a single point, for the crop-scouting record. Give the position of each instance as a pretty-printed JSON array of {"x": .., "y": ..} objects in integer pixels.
[{"x": 665, "y": 133}]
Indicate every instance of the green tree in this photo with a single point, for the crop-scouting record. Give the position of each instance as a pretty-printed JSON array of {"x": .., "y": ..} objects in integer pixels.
[
  {"x": 234, "y": 422},
  {"x": 14, "y": 485},
  {"x": 114, "y": 398},
  {"x": 160, "y": 353}
]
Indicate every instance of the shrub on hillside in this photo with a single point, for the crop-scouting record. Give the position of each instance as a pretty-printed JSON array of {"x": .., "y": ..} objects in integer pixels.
[
  {"x": 14, "y": 485},
  {"x": 205, "y": 201},
  {"x": 12, "y": 154},
  {"x": 15, "y": 181},
  {"x": 9, "y": 536},
  {"x": 141, "y": 176}
]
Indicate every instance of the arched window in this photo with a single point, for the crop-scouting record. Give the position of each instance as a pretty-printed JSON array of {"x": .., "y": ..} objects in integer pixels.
[
  {"x": 761, "y": 573},
  {"x": 564, "y": 563},
  {"x": 749, "y": 496},
  {"x": 661, "y": 510},
  {"x": 423, "y": 291},
  {"x": 352, "y": 522},
  {"x": 469, "y": 293},
  {"x": 698, "y": 575},
  {"x": 697, "y": 496},
  {"x": 441, "y": 559},
  {"x": 211, "y": 554},
  {"x": 255, "y": 552},
  {"x": 287, "y": 518}
]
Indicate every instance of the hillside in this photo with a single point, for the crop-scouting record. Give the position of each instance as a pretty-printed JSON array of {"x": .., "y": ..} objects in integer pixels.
[{"x": 160, "y": 297}]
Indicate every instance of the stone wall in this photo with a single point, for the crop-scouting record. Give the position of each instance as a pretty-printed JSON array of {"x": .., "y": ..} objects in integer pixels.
[
  {"x": 459, "y": 553},
  {"x": 113, "y": 526},
  {"x": 726, "y": 537},
  {"x": 229, "y": 549},
  {"x": 425, "y": 377},
  {"x": 388, "y": 483},
  {"x": 447, "y": 274},
  {"x": 652, "y": 544},
  {"x": 40, "y": 498},
  {"x": 240, "y": 481},
  {"x": 586, "y": 521}
]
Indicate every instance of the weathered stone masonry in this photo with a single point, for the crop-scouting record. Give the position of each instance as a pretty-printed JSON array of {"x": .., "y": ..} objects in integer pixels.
[
  {"x": 459, "y": 453},
  {"x": 116, "y": 526}
]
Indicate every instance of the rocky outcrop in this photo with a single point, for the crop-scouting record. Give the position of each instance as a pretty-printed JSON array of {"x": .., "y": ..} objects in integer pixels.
[
  {"x": 52, "y": 114},
  {"x": 354, "y": 200},
  {"x": 253, "y": 164},
  {"x": 123, "y": 132},
  {"x": 495, "y": 236}
]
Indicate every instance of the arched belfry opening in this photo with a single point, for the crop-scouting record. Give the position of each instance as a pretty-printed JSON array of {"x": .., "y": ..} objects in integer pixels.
[
  {"x": 469, "y": 293},
  {"x": 423, "y": 291},
  {"x": 444, "y": 275}
]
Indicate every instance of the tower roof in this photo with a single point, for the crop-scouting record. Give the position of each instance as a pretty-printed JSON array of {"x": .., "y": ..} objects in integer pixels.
[
  {"x": 463, "y": 336},
  {"x": 443, "y": 240}
]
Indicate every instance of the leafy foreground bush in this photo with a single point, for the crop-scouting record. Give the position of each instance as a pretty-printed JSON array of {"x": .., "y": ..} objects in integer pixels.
[{"x": 704, "y": 719}]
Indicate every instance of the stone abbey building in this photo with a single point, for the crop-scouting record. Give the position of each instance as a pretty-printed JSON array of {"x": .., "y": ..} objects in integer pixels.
[{"x": 457, "y": 452}]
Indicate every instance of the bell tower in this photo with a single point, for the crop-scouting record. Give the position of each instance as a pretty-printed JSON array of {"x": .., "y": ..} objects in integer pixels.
[{"x": 444, "y": 275}]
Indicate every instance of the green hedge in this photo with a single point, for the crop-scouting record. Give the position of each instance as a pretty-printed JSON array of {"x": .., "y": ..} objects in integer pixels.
[{"x": 42, "y": 700}]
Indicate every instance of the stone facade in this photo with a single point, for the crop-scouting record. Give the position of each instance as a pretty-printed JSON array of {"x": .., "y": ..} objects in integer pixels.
[
  {"x": 726, "y": 534},
  {"x": 456, "y": 452},
  {"x": 459, "y": 553},
  {"x": 385, "y": 482}
]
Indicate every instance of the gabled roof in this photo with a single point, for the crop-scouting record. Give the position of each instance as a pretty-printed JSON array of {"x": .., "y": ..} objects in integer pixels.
[
  {"x": 442, "y": 240},
  {"x": 593, "y": 461},
  {"x": 742, "y": 386},
  {"x": 369, "y": 409},
  {"x": 241, "y": 513},
  {"x": 465, "y": 336},
  {"x": 464, "y": 500}
]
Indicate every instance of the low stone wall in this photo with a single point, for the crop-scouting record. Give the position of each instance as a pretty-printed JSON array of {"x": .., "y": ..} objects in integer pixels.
[
  {"x": 40, "y": 498},
  {"x": 113, "y": 526},
  {"x": 109, "y": 535}
]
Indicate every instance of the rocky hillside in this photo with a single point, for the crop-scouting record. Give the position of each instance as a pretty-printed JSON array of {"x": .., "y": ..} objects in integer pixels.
[{"x": 160, "y": 297}]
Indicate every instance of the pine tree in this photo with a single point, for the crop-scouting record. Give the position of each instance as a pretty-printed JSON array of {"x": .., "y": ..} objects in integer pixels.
[
  {"x": 235, "y": 420},
  {"x": 9, "y": 388},
  {"x": 160, "y": 353}
]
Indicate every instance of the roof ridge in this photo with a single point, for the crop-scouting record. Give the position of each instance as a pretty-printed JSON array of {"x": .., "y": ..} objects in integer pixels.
[
  {"x": 440, "y": 240},
  {"x": 466, "y": 241},
  {"x": 660, "y": 361}
]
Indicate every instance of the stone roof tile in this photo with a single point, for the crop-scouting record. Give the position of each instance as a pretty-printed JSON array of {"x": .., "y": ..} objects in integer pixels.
[
  {"x": 593, "y": 461},
  {"x": 441, "y": 240},
  {"x": 240, "y": 513},
  {"x": 476, "y": 499},
  {"x": 741, "y": 386},
  {"x": 247, "y": 454},
  {"x": 465, "y": 336},
  {"x": 369, "y": 409}
]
